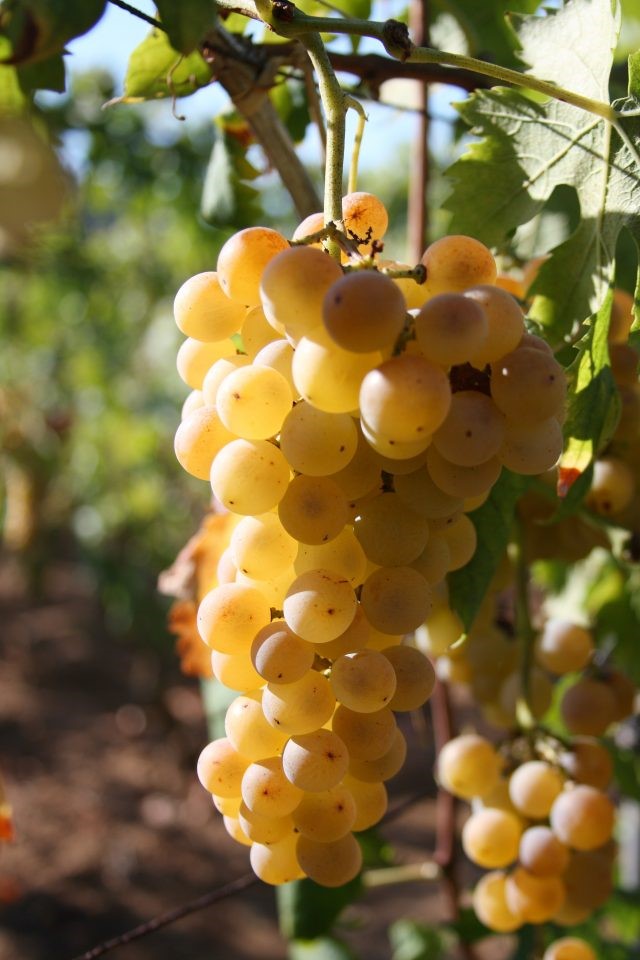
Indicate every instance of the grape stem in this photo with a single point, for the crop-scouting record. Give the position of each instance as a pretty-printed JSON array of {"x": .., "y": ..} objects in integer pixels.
[
  {"x": 405, "y": 873},
  {"x": 526, "y": 636},
  {"x": 357, "y": 142}
]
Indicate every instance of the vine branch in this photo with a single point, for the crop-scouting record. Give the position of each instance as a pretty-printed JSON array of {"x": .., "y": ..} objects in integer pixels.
[{"x": 139, "y": 14}]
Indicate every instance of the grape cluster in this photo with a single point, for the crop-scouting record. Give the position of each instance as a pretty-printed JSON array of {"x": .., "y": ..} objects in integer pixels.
[{"x": 543, "y": 830}]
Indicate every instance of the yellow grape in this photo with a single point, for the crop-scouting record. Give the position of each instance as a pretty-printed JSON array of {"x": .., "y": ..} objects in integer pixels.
[
  {"x": 450, "y": 328},
  {"x": 249, "y": 476},
  {"x": 343, "y": 556},
  {"x": 367, "y": 736},
  {"x": 230, "y": 615},
  {"x": 200, "y": 436},
  {"x": 384, "y": 767},
  {"x": 588, "y": 707},
  {"x": 235, "y": 671},
  {"x": 317, "y": 443},
  {"x": 528, "y": 385},
  {"x": 364, "y": 311},
  {"x": 194, "y": 359},
  {"x": 266, "y": 790},
  {"x": 364, "y": 680},
  {"x": 405, "y": 398},
  {"x": 569, "y": 948},
  {"x": 533, "y": 899},
  {"x": 419, "y": 492},
  {"x": 473, "y": 430},
  {"x": 362, "y": 474},
  {"x": 533, "y": 787},
  {"x": 330, "y": 864},
  {"x": 278, "y": 354},
  {"x": 582, "y": 817},
  {"x": 193, "y": 401},
  {"x": 325, "y": 815},
  {"x": 531, "y": 448},
  {"x": 391, "y": 534},
  {"x": 242, "y": 260},
  {"x": 217, "y": 373},
  {"x": 415, "y": 677},
  {"x": 612, "y": 487},
  {"x": 276, "y": 863},
  {"x": 458, "y": 481},
  {"x": 588, "y": 880},
  {"x": 328, "y": 376},
  {"x": 235, "y": 831},
  {"x": 319, "y": 605},
  {"x": 490, "y": 837},
  {"x": 301, "y": 706},
  {"x": 462, "y": 540},
  {"x": 357, "y": 636},
  {"x": 563, "y": 647},
  {"x": 435, "y": 560},
  {"x": 396, "y": 600},
  {"x": 371, "y": 800},
  {"x": 364, "y": 215},
  {"x": 455, "y": 263},
  {"x": 257, "y": 332},
  {"x": 203, "y": 311},
  {"x": 490, "y": 903},
  {"x": 221, "y": 768},
  {"x": 468, "y": 766},
  {"x": 587, "y": 761},
  {"x": 505, "y": 323},
  {"x": 253, "y": 402},
  {"x": 248, "y": 731},
  {"x": 440, "y": 631},
  {"x": 315, "y": 761},
  {"x": 313, "y": 510},
  {"x": 261, "y": 548},
  {"x": 293, "y": 287},
  {"x": 279, "y": 655},
  {"x": 541, "y": 853},
  {"x": 227, "y": 806},
  {"x": 264, "y": 829}
]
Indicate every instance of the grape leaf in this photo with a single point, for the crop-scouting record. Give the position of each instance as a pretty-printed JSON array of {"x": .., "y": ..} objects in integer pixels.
[
  {"x": 415, "y": 941},
  {"x": 326, "y": 948},
  {"x": 493, "y": 522},
  {"x": 228, "y": 199},
  {"x": 40, "y": 29},
  {"x": 486, "y": 25},
  {"x": 531, "y": 147},
  {"x": 306, "y": 910},
  {"x": 156, "y": 70},
  {"x": 186, "y": 22},
  {"x": 12, "y": 98}
]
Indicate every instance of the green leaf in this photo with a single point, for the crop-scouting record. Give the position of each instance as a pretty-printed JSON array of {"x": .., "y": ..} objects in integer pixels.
[
  {"x": 39, "y": 29},
  {"x": 626, "y": 770},
  {"x": 156, "y": 70},
  {"x": 415, "y": 941},
  {"x": 634, "y": 75},
  {"x": 618, "y": 615},
  {"x": 12, "y": 98},
  {"x": 43, "y": 75},
  {"x": 486, "y": 26},
  {"x": 186, "y": 22},
  {"x": 328, "y": 948},
  {"x": 624, "y": 916},
  {"x": 493, "y": 522},
  {"x": 531, "y": 147},
  {"x": 291, "y": 103},
  {"x": 593, "y": 410},
  {"x": 468, "y": 928},
  {"x": 227, "y": 197},
  {"x": 306, "y": 910}
]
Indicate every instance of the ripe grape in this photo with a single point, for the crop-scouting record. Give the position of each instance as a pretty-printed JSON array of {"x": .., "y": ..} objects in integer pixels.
[
  {"x": 371, "y": 800},
  {"x": 505, "y": 323},
  {"x": 473, "y": 430},
  {"x": 194, "y": 359},
  {"x": 328, "y": 376},
  {"x": 367, "y": 736},
  {"x": 242, "y": 260},
  {"x": 317, "y": 443},
  {"x": 326, "y": 815},
  {"x": 415, "y": 677},
  {"x": 528, "y": 385},
  {"x": 364, "y": 215},
  {"x": 293, "y": 286},
  {"x": 200, "y": 436},
  {"x": 230, "y": 615},
  {"x": 203, "y": 311},
  {"x": 405, "y": 398},
  {"x": 533, "y": 899},
  {"x": 315, "y": 761},
  {"x": 279, "y": 655},
  {"x": 313, "y": 510},
  {"x": 612, "y": 486},
  {"x": 319, "y": 605},
  {"x": 490, "y": 903},
  {"x": 261, "y": 547},
  {"x": 249, "y": 476},
  {"x": 221, "y": 768},
  {"x": 276, "y": 863},
  {"x": 396, "y": 600},
  {"x": 266, "y": 791},
  {"x": 490, "y": 837},
  {"x": 299, "y": 707},
  {"x": 364, "y": 311},
  {"x": 364, "y": 680},
  {"x": 587, "y": 761},
  {"x": 533, "y": 787},
  {"x": 459, "y": 481},
  {"x": 235, "y": 671},
  {"x": 253, "y": 401},
  {"x": 569, "y": 948},
  {"x": 384, "y": 767},
  {"x": 343, "y": 556},
  {"x": 588, "y": 707},
  {"x": 563, "y": 647},
  {"x": 264, "y": 829},
  {"x": 450, "y": 328},
  {"x": 455, "y": 263},
  {"x": 330, "y": 864},
  {"x": 541, "y": 853},
  {"x": 248, "y": 730},
  {"x": 391, "y": 534},
  {"x": 582, "y": 817},
  {"x": 468, "y": 766}
]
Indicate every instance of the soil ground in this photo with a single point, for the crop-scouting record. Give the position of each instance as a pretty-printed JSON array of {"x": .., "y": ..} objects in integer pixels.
[{"x": 98, "y": 743}]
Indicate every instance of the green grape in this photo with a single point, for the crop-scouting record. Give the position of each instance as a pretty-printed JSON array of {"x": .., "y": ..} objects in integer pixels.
[
  {"x": 392, "y": 450},
  {"x": 415, "y": 677},
  {"x": 221, "y": 768},
  {"x": 364, "y": 680},
  {"x": 587, "y": 761},
  {"x": 328, "y": 376},
  {"x": 405, "y": 398},
  {"x": 533, "y": 899},
  {"x": 199, "y": 438},
  {"x": 563, "y": 647},
  {"x": 491, "y": 838},
  {"x": 419, "y": 492},
  {"x": 541, "y": 853},
  {"x": 440, "y": 631},
  {"x": 279, "y": 655},
  {"x": 473, "y": 430},
  {"x": 364, "y": 311},
  {"x": 362, "y": 474},
  {"x": 582, "y": 817},
  {"x": 343, "y": 556},
  {"x": 455, "y": 263},
  {"x": 325, "y": 815},
  {"x": 235, "y": 671},
  {"x": 396, "y": 600},
  {"x": 569, "y": 948},
  {"x": 533, "y": 787},
  {"x": 588, "y": 707},
  {"x": 315, "y": 761},
  {"x": 248, "y": 731},
  {"x": 203, "y": 311},
  {"x": 261, "y": 548},
  {"x": 505, "y": 323},
  {"x": 528, "y": 385},
  {"x": 450, "y": 328},
  {"x": 194, "y": 359},
  {"x": 468, "y": 766},
  {"x": 265, "y": 829},
  {"x": 230, "y": 615},
  {"x": 490, "y": 903},
  {"x": 293, "y": 287},
  {"x": 253, "y": 402},
  {"x": 319, "y": 605},
  {"x": 391, "y": 534},
  {"x": 435, "y": 560},
  {"x": 462, "y": 540},
  {"x": 531, "y": 448},
  {"x": 242, "y": 260},
  {"x": 330, "y": 864},
  {"x": 249, "y": 476},
  {"x": 459, "y": 481},
  {"x": 367, "y": 736},
  {"x": 276, "y": 863},
  {"x": 371, "y": 800},
  {"x": 266, "y": 790},
  {"x": 317, "y": 443},
  {"x": 301, "y": 706},
  {"x": 384, "y": 767},
  {"x": 313, "y": 510}
]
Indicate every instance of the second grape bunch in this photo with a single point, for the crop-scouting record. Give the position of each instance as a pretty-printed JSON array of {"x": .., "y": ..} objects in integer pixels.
[{"x": 349, "y": 418}]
